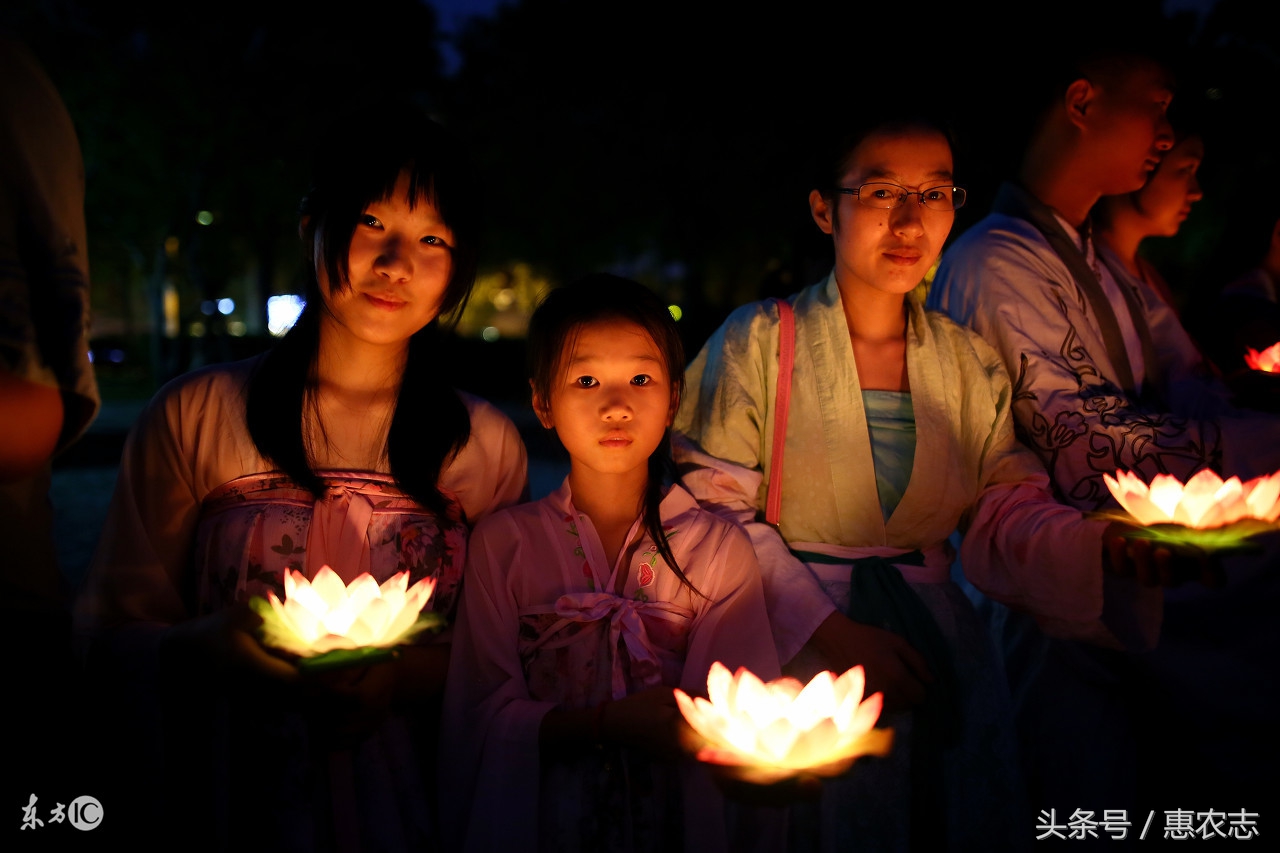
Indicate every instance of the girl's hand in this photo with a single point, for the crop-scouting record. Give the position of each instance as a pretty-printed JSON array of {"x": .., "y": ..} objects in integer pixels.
[
  {"x": 346, "y": 705},
  {"x": 648, "y": 720},
  {"x": 223, "y": 644},
  {"x": 1163, "y": 564},
  {"x": 740, "y": 784},
  {"x": 349, "y": 703},
  {"x": 891, "y": 665}
]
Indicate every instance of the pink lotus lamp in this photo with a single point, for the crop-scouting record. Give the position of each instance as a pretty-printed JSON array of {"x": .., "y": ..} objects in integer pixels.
[
  {"x": 782, "y": 728},
  {"x": 1206, "y": 511},
  {"x": 325, "y": 622},
  {"x": 1268, "y": 361}
]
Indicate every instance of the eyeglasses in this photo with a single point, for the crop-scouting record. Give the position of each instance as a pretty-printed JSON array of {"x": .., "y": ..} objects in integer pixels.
[{"x": 886, "y": 196}]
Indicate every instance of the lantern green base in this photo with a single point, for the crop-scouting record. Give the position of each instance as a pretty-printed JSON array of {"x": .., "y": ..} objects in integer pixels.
[
  {"x": 339, "y": 658},
  {"x": 274, "y": 635},
  {"x": 1234, "y": 538}
]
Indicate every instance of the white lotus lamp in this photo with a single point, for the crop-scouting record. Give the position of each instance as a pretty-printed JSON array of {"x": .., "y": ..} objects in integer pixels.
[
  {"x": 1206, "y": 511},
  {"x": 782, "y": 728},
  {"x": 328, "y": 623},
  {"x": 1267, "y": 361}
]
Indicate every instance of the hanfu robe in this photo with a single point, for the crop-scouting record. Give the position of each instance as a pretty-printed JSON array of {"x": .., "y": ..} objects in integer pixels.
[
  {"x": 1106, "y": 728},
  {"x": 540, "y": 627},
  {"x": 1084, "y": 400},
  {"x": 969, "y": 473},
  {"x": 200, "y": 520}
]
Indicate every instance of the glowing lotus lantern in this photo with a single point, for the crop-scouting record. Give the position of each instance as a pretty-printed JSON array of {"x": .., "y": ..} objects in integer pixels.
[
  {"x": 1206, "y": 511},
  {"x": 1267, "y": 361},
  {"x": 781, "y": 728},
  {"x": 328, "y": 623}
]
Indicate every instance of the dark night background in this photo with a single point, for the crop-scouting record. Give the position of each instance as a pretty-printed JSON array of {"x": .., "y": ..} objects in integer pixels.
[{"x": 665, "y": 141}]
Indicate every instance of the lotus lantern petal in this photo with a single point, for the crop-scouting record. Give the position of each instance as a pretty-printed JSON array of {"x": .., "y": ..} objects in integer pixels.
[
  {"x": 323, "y": 614},
  {"x": 1267, "y": 361},
  {"x": 782, "y": 727},
  {"x": 1206, "y": 501}
]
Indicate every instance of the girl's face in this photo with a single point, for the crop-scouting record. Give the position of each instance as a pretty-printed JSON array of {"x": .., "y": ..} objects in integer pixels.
[
  {"x": 612, "y": 399},
  {"x": 1166, "y": 199},
  {"x": 398, "y": 264},
  {"x": 888, "y": 250}
]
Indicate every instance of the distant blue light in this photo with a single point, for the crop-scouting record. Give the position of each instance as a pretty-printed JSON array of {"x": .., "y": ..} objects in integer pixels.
[{"x": 282, "y": 312}]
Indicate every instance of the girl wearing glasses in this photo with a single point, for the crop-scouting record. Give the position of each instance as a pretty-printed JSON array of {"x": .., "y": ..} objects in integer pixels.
[{"x": 897, "y": 435}]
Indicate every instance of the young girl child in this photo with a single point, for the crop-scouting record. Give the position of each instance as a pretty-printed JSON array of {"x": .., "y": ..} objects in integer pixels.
[
  {"x": 581, "y": 611},
  {"x": 897, "y": 433},
  {"x": 343, "y": 446}
]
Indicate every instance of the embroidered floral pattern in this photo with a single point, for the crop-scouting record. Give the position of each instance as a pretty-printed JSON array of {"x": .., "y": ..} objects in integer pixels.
[
  {"x": 254, "y": 528},
  {"x": 572, "y": 530},
  {"x": 1103, "y": 419},
  {"x": 646, "y": 571}
]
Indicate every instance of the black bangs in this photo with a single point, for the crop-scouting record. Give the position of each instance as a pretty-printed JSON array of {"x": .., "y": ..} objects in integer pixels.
[
  {"x": 354, "y": 167},
  {"x": 357, "y": 161}
]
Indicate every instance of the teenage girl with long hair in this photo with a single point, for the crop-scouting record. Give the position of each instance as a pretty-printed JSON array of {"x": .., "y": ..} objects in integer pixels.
[{"x": 344, "y": 445}]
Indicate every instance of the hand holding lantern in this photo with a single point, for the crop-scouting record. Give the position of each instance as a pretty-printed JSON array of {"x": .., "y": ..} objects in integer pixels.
[
  {"x": 226, "y": 642},
  {"x": 328, "y": 623},
  {"x": 1207, "y": 512}
]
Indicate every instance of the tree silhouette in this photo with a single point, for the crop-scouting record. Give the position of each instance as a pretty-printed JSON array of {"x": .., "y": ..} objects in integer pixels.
[
  {"x": 215, "y": 113},
  {"x": 668, "y": 141}
]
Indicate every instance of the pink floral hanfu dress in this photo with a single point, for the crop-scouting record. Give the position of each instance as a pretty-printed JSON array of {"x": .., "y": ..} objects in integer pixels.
[
  {"x": 199, "y": 521},
  {"x": 543, "y": 623},
  {"x": 255, "y": 528},
  {"x": 252, "y": 530}
]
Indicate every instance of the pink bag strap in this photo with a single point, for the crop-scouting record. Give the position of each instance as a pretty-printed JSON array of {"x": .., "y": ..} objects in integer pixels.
[{"x": 786, "y": 360}]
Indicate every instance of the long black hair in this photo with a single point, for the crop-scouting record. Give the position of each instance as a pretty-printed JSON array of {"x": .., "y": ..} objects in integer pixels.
[
  {"x": 353, "y": 167},
  {"x": 553, "y": 331}
]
